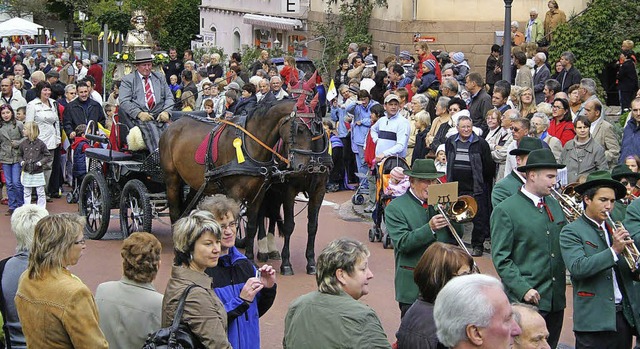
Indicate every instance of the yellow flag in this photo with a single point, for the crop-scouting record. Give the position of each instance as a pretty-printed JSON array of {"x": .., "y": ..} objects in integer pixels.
[
  {"x": 100, "y": 36},
  {"x": 332, "y": 92},
  {"x": 117, "y": 38}
]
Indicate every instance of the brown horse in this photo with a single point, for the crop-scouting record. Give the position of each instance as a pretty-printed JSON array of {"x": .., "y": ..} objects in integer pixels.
[{"x": 243, "y": 182}]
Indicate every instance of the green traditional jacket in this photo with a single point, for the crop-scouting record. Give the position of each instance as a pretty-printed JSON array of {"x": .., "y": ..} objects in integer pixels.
[
  {"x": 526, "y": 251},
  {"x": 619, "y": 211},
  {"x": 632, "y": 217},
  {"x": 408, "y": 226},
  {"x": 591, "y": 263},
  {"x": 505, "y": 188}
]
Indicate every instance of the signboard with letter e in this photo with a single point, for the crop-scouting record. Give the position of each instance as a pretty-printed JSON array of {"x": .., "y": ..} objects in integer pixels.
[
  {"x": 290, "y": 6},
  {"x": 443, "y": 193}
]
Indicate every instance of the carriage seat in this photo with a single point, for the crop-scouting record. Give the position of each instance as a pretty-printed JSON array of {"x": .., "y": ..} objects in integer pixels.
[{"x": 102, "y": 154}]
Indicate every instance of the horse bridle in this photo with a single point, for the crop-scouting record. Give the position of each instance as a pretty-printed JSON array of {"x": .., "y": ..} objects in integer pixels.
[{"x": 314, "y": 125}]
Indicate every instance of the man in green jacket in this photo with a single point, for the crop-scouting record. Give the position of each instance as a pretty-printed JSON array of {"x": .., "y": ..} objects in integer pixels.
[
  {"x": 605, "y": 297},
  {"x": 525, "y": 229},
  {"x": 628, "y": 178},
  {"x": 413, "y": 226},
  {"x": 535, "y": 29},
  {"x": 512, "y": 183}
]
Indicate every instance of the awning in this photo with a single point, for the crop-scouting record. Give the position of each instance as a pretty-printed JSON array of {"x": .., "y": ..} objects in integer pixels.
[{"x": 272, "y": 22}]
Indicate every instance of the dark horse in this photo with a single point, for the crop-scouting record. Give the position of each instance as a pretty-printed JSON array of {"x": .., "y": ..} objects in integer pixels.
[{"x": 244, "y": 182}]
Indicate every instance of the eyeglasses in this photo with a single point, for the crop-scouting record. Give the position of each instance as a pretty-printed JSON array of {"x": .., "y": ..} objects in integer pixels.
[
  {"x": 80, "y": 242},
  {"x": 514, "y": 129},
  {"x": 557, "y": 107},
  {"x": 231, "y": 226}
]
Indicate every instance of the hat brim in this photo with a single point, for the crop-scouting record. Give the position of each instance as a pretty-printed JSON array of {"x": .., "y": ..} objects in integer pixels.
[
  {"x": 431, "y": 175},
  {"x": 519, "y": 151},
  {"x": 619, "y": 188},
  {"x": 634, "y": 175},
  {"x": 144, "y": 60},
  {"x": 551, "y": 165}
]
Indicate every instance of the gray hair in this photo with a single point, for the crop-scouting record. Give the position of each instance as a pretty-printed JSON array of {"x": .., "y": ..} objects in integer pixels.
[
  {"x": 276, "y": 77},
  {"x": 543, "y": 117},
  {"x": 443, "y": 102},
  {"x": 541, "y": 56},
  {"x": 545, "y": 108},
  {"x": 353, "y": 46},
  {"x": 94, "y": 59},
  {"x": 589, "y": 85},
  {"x": 367, "y": 73},
  {"x": 23, "y": 224},
  {"x": 69, "y": 88},
  {"x": 451, "y": 84},
  {"x": 424, "y": 102},
  {"x": 533, "y": 10},
  {"x": 463, "y": 301},
  {"x": 569, "y": 56},
  {"x": 342, "y": 254},
  {"x": 511, "y": 114},
  {"x": 518, "y": 310}
]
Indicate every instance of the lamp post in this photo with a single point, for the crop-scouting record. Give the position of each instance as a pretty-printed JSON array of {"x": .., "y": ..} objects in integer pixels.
[{"x": 506, "y": 48}]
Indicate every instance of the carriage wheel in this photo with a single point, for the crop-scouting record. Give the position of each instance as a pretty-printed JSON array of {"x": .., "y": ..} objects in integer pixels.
[
  {"x": 135, "y": 208},
  {"x": 95, "y": 205}
]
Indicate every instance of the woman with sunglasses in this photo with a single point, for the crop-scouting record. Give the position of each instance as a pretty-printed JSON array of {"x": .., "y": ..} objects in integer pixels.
[
  {"x": 561, "y": 126},
  {"x": 440, "y": 263}
]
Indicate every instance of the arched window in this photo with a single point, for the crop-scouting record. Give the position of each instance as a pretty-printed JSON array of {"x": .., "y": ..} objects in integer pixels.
[
  {"x": 215, "y": 35},
  {"x": 236, "y": 40}
]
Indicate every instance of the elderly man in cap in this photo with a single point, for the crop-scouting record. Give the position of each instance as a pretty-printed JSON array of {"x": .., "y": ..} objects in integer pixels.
[
  {"x": 525, "y": 248},
  {"x": 605, "y": 294},
  {"x": 145, "y": 98},
  {"x": 413, "y": 226},
  {"x": 512, "y": 183}
]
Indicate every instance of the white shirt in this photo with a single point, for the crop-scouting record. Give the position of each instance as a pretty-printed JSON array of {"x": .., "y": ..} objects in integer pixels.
[{"x": 616, "y": 289}]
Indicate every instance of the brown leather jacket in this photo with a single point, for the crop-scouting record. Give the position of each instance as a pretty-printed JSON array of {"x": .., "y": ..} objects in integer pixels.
[
  {"x": 58, "y": 311},
  {"x": 203, "y": 311}
]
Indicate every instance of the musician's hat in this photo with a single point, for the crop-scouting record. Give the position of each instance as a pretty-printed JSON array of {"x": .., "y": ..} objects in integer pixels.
[
  {"x": 539, "y": 159},
  {"x": 526, "y": 146},
  {"x": 602, "y": 178},
  {"x": 424, "y": 169}
]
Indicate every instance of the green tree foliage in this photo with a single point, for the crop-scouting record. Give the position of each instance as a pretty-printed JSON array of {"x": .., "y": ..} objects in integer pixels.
[
  {"x": 350, "y": 24},
  {"x": 181, "y": 24},
  {"x": 595, "y": 36}
]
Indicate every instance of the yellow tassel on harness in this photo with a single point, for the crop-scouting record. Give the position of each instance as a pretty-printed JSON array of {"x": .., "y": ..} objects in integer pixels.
[{"x": 237, "y": 143}]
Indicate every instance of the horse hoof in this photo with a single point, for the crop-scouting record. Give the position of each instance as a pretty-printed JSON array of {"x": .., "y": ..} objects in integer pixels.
[
  {"x": 286, "y": 270},
  {"x": 311, "y": 269},
  {"x": 263, "y": 257},
  {"x": 274, "y": 255}
]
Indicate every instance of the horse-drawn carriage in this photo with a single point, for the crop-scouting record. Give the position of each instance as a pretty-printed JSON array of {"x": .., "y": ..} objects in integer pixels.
[{"x": 240, "y": 158}]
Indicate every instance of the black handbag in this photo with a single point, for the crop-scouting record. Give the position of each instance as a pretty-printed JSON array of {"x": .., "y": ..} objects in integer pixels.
[{"x": 178, "y": 335}]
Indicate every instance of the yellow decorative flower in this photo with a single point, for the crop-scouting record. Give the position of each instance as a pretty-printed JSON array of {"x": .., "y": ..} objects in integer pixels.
[
  {"x": 116, "y": 53},
  {"x": 125, "y": 56}
]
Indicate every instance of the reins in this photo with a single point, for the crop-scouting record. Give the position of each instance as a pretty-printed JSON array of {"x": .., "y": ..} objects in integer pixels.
[{"x": 282, "y": 158}]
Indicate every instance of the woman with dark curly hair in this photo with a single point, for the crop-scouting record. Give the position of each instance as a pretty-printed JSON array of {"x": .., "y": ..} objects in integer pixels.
[{"x": 131, "y": 308}]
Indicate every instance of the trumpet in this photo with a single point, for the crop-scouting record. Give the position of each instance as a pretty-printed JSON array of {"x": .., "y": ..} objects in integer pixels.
[
  {"x": 631, "y": 254},
  {"x": 461, "y": 211},
  {"x": 570, "y": 201}
]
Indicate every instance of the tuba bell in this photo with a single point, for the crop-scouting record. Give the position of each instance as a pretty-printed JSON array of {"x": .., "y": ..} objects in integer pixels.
[
  {"x": 570, "y": 201},
  {"x": 462, "y": 210}
]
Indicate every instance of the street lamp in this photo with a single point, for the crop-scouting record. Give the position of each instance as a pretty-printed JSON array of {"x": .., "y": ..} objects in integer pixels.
[{"x": 506, "y": 48}]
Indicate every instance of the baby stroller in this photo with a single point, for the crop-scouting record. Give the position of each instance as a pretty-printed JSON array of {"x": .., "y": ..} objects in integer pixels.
[
  {"x": 359, "y": 197},
  {"x": 383, "y": 174}
]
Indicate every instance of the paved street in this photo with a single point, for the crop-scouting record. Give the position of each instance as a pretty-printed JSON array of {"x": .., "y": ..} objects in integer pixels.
[{"x": 101, "y": 262}]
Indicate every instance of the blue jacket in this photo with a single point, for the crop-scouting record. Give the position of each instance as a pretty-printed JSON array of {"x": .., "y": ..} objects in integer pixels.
[
  {"x": 337, "y": 115},
  {"x": 229, "y": 277},
  {"x": 630, "y": 140},
  {"x": 363, "y": 114}
]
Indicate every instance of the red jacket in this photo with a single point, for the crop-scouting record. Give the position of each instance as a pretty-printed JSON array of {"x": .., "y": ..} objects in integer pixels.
[
  {"x": 370, "y": 151},
  {"x": 563, "y": 131},
  {"x": 423, "y": 58},
  {"x": 289, "y": 75},
  {"x": 95, "y": 71}
]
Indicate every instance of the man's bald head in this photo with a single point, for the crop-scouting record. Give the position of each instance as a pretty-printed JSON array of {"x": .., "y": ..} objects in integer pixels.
[{"x": 534, "y": 329}]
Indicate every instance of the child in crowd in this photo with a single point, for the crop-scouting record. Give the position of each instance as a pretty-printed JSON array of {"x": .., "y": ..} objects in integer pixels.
[
  {"x": 429, "y": 82},
  {"x": 110, "y": 111},
  {"x": 377, "y": 111},
  {"x": 420, "y": 149},
  {"x": 337, "y": 175},
  {"x": 398, "y": 182},
  {"x": 208, "y": 107},
  {"x": 404, "y": 96},
  {"x": 33, "y": 156},
  {"x": 441, "y": 159},
  {"x": 21, "y": 113},
  {"x": 80, "y": 144},
  {"x": 175, "y": 87},
  {"x": 10, "y": 138}
]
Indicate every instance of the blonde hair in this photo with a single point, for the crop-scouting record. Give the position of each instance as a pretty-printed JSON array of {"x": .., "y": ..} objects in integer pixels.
[
  {"x": 33, "y": 131},
  {"x": 342, "y": 254},
  {"x": 23, "y": 224},
  {"x": 188, "y": 100},
  {"x": 53, "y": 238},
  {"x": 187, "y": 230}
]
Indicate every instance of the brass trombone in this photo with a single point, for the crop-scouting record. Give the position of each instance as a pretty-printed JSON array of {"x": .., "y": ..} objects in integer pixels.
[
  {"x": 461, "y": 211},
  {"x": 570, "y": 201},
  {"x": 631, "y": 254}
]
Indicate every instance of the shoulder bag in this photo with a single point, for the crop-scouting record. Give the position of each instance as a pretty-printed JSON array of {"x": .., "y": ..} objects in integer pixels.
[{"x": 178, "y": 335}]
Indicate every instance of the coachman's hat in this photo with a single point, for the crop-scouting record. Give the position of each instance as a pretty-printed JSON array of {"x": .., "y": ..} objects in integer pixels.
[
  {"x": 602, "y": 178},
  {"x": 539, "y": 159},
  {"x": 526, "y": 146},
  {"x": 142, "y": 56},
  {"x": 424, "y": 169}
]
